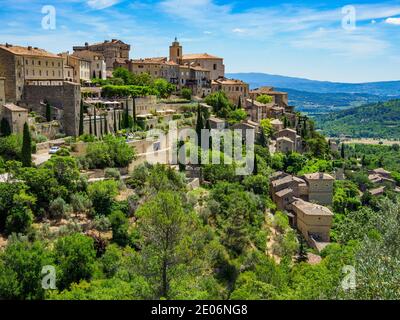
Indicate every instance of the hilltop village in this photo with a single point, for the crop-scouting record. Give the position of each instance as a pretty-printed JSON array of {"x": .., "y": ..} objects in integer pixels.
[{"x": 77, "y": 131}]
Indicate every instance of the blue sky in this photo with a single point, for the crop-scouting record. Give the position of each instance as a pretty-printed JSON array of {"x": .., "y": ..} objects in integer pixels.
[{"x": 303, "y": 39}]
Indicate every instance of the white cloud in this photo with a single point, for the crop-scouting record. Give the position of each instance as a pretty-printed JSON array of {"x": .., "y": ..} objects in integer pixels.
[
  {"x": 238, "y": 30},
  {"x": 395, "y": 21},
  {"x": 101, "y": 4}
]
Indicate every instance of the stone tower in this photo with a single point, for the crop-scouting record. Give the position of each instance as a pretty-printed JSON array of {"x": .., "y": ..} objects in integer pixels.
[{"x": 175, "y": 52}]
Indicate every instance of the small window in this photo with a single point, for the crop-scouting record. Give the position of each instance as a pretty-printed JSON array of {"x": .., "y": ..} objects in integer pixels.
[{"x": 215, "y": 66}]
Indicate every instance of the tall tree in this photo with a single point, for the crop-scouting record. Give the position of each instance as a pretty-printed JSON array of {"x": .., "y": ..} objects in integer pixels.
[
  {"x": 105, "y": 125},
  {"x": 126, "y": 117},
  {"x": 343, "y": 152},
  {"x": 199, "y": 124},
  {"x": 26, "y": 152},
  {"x": 134, "y": 111},
  {"x": 163, "y": 224},
  {"x": 48, "y": 112},
  {"x": 95, "y": 121},
  {"x": 81, "y": 128},
  {"x": 90, "y": 125}
]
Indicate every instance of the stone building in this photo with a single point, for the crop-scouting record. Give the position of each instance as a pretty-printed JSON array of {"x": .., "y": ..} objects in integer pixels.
[
  {"x": 155, "y": 67},
  {"x": 212, "y": 63},
  {"x": 296, "y": 195},
  {"x": 288, "y": 141},
  {"x": 320, "y": 187},
  {"x": 234, "y": 89},
  {"x": 66, "y": 98},
  {"x": 110, "y": 50},
  {"x": 97, "y": 63},
  {"x": 23, "y": 66},
  {"x": 279, "y": 98},
  {"x": 313, "y": 221},
  {"x": 81, "y": 68},
  {"x": 15, "y": 115}
]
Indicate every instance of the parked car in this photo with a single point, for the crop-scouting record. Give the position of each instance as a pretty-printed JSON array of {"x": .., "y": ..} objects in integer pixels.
[{"x": 53, "y": 150}]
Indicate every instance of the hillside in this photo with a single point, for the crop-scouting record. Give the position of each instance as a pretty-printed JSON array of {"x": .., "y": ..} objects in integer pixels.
[
  {"x": 386, "y": 88},
  {"x": 315, "y": 104},
  {"x": 377, "y": 120}
]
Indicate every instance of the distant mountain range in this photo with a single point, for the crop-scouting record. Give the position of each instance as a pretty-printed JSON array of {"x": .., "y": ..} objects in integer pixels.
[
  {"x": 376, "y": 120},
  {"x": 319, "y": 97},
  {"x": 386, "y": 88}
]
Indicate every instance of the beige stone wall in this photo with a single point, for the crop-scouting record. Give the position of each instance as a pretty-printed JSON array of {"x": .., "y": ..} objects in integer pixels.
[
  {"x": 315, "y": 224},
  {"x": 2, "y": 91},
  {"x": 234, "y": 92},
  {"x": 8, "y": 71},
  {"x": 320, "y": 191},
  {"x": 285, "y": 146},
  {"x": 16, "y": 119},
  {"x": 216, "y": 66}
]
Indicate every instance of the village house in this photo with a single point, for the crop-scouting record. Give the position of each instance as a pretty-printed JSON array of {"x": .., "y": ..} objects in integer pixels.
[
  {"x": 15, "y": 116},
  {"x": 98, "y": 66},
  {"x": 279, "y": 98},
  {"x": 381, "y": 177},
  {"x": 303, "y": 199},
  {"x": 81, "y": 68},
  {"x": 109, "y": 50},
  {"x": 235, "y": 90},
  {"x": 21, "y": 66},
  {"x": 314, "y": 222},
  {"x": 320, "y": 187},
  {"x": 287, "y": 140}
]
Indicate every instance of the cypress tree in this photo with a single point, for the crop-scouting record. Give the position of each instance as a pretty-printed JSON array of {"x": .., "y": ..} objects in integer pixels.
[
  {"x": 101, "y": 126},
  {"x": 126, "y": 117},
  {"x": 255, "y": 169},
  {"x": 342, "y": 152},
  {"x": 95, "y": 122},
  {"x": 81, "y": 129},
  {"x": 239, "y": 103},
  {"x": 90, "y": 125},
  {"x": 5, "y": 128},
  {"x": 105, "y": 125},
  {"x": 115, "y": 121},
  {"x": 48, "y": 112},
  {"x": 134, "y": 112},
  {"x": 199, "y": 124},
  {"x": 26, "y": 152}
]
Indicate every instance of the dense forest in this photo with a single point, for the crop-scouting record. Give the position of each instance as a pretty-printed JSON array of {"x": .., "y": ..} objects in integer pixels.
[
  {"x": 377, "y": 120},
  {"x": 225, "y": 240}
]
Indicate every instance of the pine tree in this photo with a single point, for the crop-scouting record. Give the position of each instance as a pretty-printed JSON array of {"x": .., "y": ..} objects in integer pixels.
[
  {"x": 48, "y": 112},
  {"x": 81, "y": 128},
  {"x": 26, "y": 152},
  {"x": 5, "y": 128}
]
